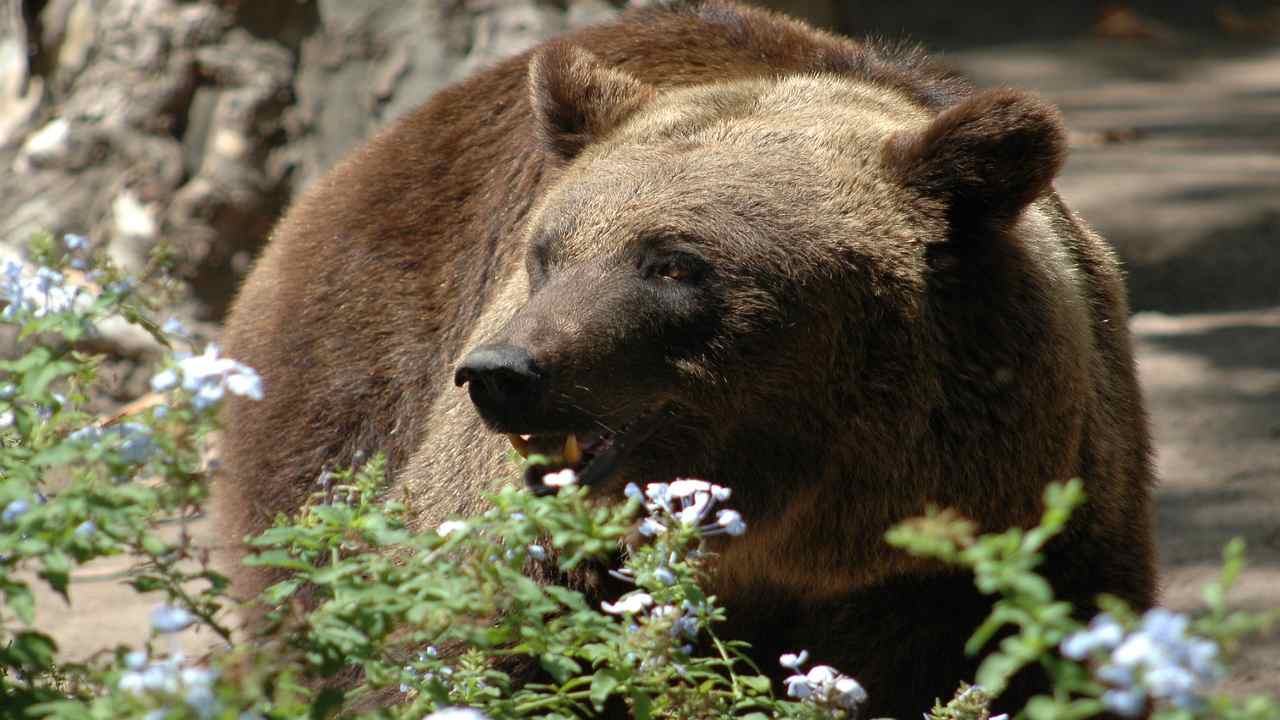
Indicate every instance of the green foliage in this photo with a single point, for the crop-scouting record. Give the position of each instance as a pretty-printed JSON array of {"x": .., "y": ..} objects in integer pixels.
[{"x": 372, "y": 619}]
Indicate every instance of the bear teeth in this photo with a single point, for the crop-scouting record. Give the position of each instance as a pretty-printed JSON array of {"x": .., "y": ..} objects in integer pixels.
[
  {"x": 520, "y": 443},
  {"x": 572, "y": 452}
]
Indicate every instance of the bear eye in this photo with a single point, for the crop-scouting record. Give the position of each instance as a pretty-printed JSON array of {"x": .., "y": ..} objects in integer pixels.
[
  {"x": 677, "y": 268},
  {"x": 672, "y": 271}
]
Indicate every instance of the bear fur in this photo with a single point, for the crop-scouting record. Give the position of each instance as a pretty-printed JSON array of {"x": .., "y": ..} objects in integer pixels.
[{"x": 838, "y": 276}]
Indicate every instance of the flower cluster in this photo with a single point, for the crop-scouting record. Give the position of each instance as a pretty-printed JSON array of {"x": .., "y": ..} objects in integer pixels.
[
  {"x": 687, "y": 503},
  {"x": 41, "y": 293},
  {"x": 168, "y": 677},
  {"x": 131, "y": 440},
  {"x": 1158, "y": 660},
  {"x": 822, "y": 686},
  {"x": 208, "y": 377}
]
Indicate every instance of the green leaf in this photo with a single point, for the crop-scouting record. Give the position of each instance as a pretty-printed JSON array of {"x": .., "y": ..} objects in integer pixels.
[
  {"x": 561, "y": 668},
  {"x": 641, "y": 706},
  {"x": 603, "y": 683},
  {"x": 19, "y": 598},
  {"x": 757, "y": 683},
  {"x": 57, "y": 572}
]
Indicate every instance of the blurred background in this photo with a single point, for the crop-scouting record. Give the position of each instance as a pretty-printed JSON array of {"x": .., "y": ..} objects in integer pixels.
[{"x": 196, "y": 122}]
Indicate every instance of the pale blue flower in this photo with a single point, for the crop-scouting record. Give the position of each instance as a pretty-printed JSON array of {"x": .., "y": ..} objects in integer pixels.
[
  {"x": 731, "y": 522},
  {"x": 664, "y": 576},
  {"x": 793, "y": 661},
  {"x": 173, "y": 326},
  {"x": 6, "y": 419},
  {"x": 650, "y": 527},
  {"x": 40, "y": 294},
  {"x": 167, "y": 619},
  {"x": 1103, "y": 633},
  {"x": 8, "y": 390},
  {"x": 131, "y": 682},
  {"x": 164, "y": 380},
  {"x": 1158, "y": 660},
  {"x": 799, "y": 687},
  {"x": 160, "y": 677},
  {"x": 74, "y": 242},
  {"x": 537, "y": 552},
  {"x": 85, "y": 530},
  {"x": 1127, "y": 702},
  {"x": 14, "y": 510},
  {"x": 137, "y": 445}
]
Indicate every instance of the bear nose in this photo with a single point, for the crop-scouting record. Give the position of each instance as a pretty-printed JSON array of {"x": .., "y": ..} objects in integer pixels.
[{"x": 501, "y": 379}]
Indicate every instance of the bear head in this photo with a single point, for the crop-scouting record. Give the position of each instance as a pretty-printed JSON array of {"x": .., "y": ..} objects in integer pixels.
[{"x": 783, "y": 285}]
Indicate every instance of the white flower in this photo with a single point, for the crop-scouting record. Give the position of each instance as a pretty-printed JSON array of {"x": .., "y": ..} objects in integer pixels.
[
  {"x": 131, "y": 682},
  {"x": 793, "y": 661},
  {"x": 629, "y": 605},
  {"x": 164, "y": 380},
  {"x": 456, "y": 713},
  {"x": 731, "y": 522},
  {"x": 1137, "y": 649},
  {"x": 537, "y": 552},
  {"x": 650, "y": 527},
  {"x": 822, "y": 674},
  {"x": 693, "y": 512},
  {"x": 681, "y": 489},
  {"x": 449, "y": 527},
  {"x": 849, "y": 694},
  {"x": 799, "y": 687},
  {"x": 6, "y": 419},
  {"x": 167, "y": 619},
  {"x": 208, "y": 377},
  {"x": 564, "y": 478}
]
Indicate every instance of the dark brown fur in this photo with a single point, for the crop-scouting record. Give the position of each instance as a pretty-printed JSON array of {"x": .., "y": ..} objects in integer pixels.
[{"x": 918, "y": 320}]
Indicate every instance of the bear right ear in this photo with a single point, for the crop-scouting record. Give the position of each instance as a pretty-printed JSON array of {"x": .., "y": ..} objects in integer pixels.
[
  {"x": 577, "y": 99},
  {"x": 987, "y": 158}
]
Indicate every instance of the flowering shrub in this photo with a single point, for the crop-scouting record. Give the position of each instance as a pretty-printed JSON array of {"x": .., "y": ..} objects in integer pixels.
[{"x": 448, "y": 624}]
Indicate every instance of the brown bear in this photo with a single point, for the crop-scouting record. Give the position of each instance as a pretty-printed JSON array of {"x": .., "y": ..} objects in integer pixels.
[{"x": 709, "y": 241}]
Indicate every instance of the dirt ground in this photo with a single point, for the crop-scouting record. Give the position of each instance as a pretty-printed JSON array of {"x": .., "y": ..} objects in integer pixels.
[{"x": 1176, "y": 159}]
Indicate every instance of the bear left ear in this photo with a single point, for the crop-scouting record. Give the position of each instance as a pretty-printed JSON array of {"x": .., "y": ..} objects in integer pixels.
[
  {"x": 987, "y": 158},
  {"x": 577, "y": 99}
]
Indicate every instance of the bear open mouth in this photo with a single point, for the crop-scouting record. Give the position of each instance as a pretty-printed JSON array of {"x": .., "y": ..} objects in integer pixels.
[{"x": 593, "y": 455}]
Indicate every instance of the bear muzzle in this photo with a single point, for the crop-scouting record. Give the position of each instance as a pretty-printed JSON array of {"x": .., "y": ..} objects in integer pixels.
[{"x": 509, "y": 392}]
